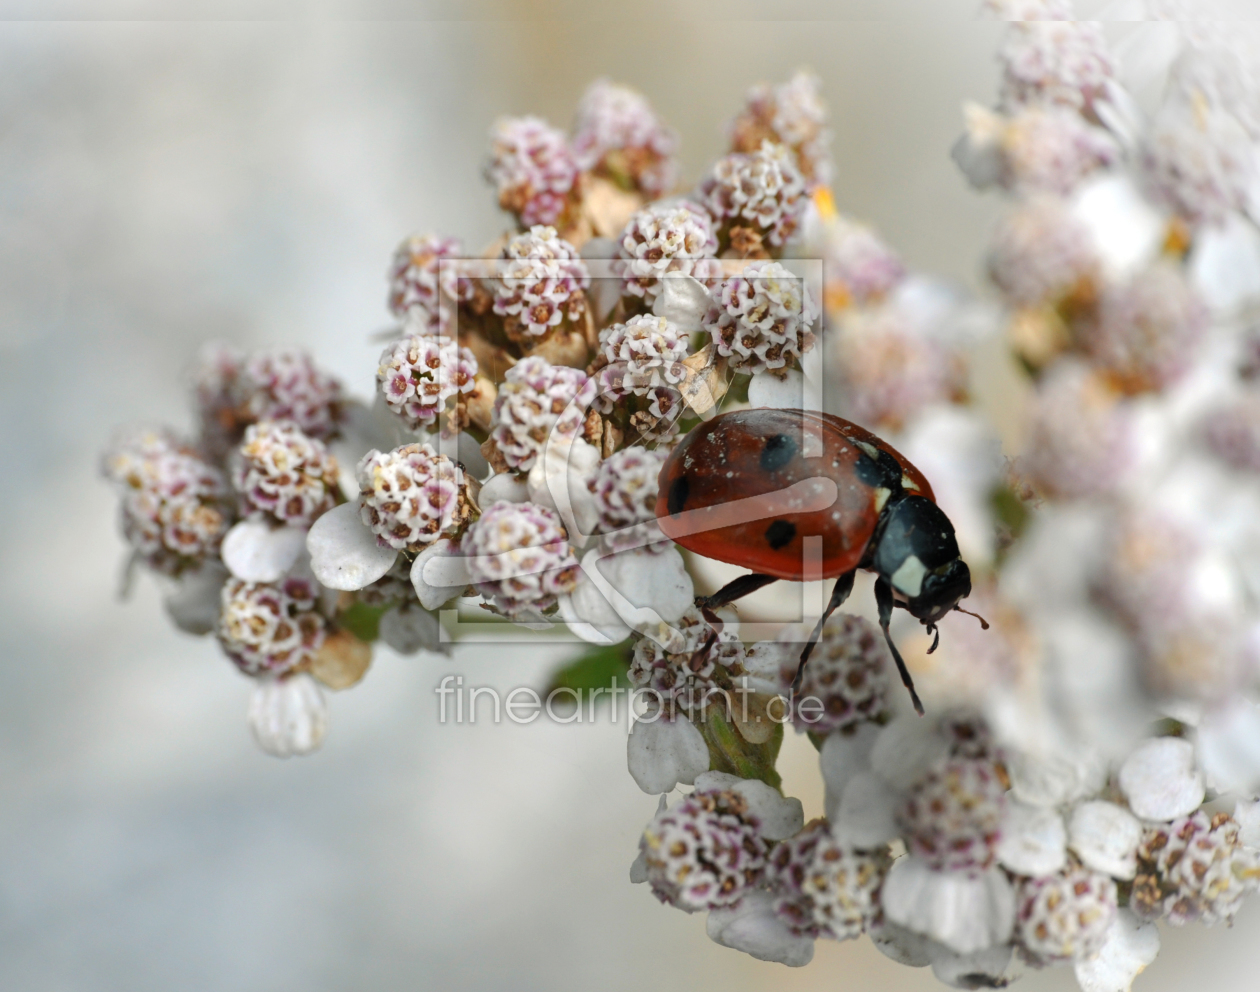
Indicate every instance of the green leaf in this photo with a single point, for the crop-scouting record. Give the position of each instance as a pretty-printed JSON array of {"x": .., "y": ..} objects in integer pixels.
[
  {"x": 363, "y": 621},
  {"x": 601, "y": 667},
  {"x": 729, "y": 752}
]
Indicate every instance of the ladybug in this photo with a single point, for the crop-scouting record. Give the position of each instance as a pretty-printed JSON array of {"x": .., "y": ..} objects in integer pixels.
[{"x": 759, "y": 488}]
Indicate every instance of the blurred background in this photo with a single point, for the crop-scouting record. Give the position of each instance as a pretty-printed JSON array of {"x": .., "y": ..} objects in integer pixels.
[{"x": 164, "y": 183}]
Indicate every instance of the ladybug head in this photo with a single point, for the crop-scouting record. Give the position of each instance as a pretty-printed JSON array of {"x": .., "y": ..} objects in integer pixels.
[{"x": 917, "y": 554}]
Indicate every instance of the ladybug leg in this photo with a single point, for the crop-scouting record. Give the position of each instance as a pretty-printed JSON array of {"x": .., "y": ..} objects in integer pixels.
[
  {"x": 884, "y": 600},
  {"x": 735, "y": 589},
  {"x": 839, "y": 593}
]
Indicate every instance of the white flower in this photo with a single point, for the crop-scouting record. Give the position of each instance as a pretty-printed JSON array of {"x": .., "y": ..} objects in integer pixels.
[
  {"x": 617, "y": 132},
  {"x": 1130, "y": 946},
  {"x": 421, "y": 290},
  {"x": 193, "y": 600},
  {"x": 435, "y": 596},
  {"x": 1033, "y": 840},
  {"x": 407, "y": 628},
  {"x": 753, "y": 927},
  {"x": 1160, "y": 779},
  {"x": 345, "y": 554},
  {"x": 257, "y": 551},
  {"x": 965, "y": 913},
  {"x": 663, "y": 752},
  {"x": 560, "y": 480},
  {"x": 420, "y": 375},
  {"x": 288, "y": 716},
  {"x": 1228, "y": 745},
  {"x": 637, "y": 590},
  {"x": 1105, "y": 837}
]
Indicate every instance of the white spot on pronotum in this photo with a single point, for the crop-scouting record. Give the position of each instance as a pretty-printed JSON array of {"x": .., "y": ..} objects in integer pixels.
[
  {"x": 909, "y": 483},
  {"x": 870, "y": 449},
  {"x": 881, "y": 497},
  {"x": 909, "y": 577}
]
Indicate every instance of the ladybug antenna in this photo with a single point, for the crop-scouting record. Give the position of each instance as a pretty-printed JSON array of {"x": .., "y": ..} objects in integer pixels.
[
  {"x": 984, "y": 624},
  {"x": 936, "y": 637}
]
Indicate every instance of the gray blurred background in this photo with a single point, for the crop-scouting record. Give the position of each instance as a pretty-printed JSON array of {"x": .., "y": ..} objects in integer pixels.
[{"x": 163, "y": 183}]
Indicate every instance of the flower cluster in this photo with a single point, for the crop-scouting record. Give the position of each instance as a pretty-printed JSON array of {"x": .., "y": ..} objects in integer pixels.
[
  {"x": 421, "y": 375},
  {"x": 663, "y": 238},
  {"x": 617, "y": 134},
  {"x": 175, "y": 505},
  {"x": 764, "y": 318},
  {"x": 423, "y": 291},
  {"x": 757, "y": 199},
  {"x": 284, "y": 475},
  {"x": 1065, "y": 788}
]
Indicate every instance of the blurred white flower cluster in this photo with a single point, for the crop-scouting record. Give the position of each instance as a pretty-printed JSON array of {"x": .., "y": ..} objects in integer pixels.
[{"x": 1090, "y": 757}]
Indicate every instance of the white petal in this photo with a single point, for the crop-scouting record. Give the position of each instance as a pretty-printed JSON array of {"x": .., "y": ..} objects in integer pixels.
[
  {"x": 1247, "y": 813},
  {"x": 558, "y": 482},
  {"x": 663, "y": 753},
  {"x": 781, "y": 816},
  {"x": 257, "y": 552},
  {"x": 842, "y": 757},
  {"x": 506, "y": 487},
  {"x": 683, "y": 301},
  {"x": 904, "y": 946},
  {"x": 906, "y": 749},
  {"x": 1105, "y": 837},
  {"x": 590, "y": 616},
  {"x": 638, "y": 868},
  {"x": 1160, "y": 779},
  {"x": 1229, "y": 746},
  {"x": 288, "y": 716},
  {"x": 767, "y": 390},
  {"x": 434, "y": 597},
  {"x": 408, "y": 628},
  {"x": 604, "y": 291},
  {"x": 193, "y": 600},
  {"x": 1131, "y": 946},
  {"x": 1127, "y": 231},
  {"x": 637, "y": 589},
  {"x": 992, "y": 968},
  {"x": 754, "y": 928},
  {"x": 1054, "y": 779},
  {"x": 1033, "y": 840},
  {"x": 963, "y": 913},
  {"x": 866, "y": 816},
  {"x": 344, "y": 553},
  {"x": 468, "y": 449}
]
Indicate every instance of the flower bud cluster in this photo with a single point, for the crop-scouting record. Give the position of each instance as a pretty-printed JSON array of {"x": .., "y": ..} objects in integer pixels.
[
  {"x": 411, "y": 496},
  {"x": 175, "y": 506},
  {"x": 617, "y": 134},
  {"x": 420, "y": 376},
  {"x": 283, "y": 475}
]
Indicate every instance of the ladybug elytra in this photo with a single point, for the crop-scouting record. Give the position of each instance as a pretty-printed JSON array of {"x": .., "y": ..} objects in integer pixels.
[{"x": 797, "y": 476}]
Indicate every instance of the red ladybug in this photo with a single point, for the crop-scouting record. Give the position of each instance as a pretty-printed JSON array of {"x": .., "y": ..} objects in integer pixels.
[{"x": 764, "y": 481}]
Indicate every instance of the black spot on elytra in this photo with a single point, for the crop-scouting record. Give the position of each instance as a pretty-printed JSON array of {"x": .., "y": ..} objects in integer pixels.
[
  {"x": 780, "y": 533},
  {"x": 882, "y": 473},
  {"x": 678, "y": 492},
  {"x": 779, "y": 450}
]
